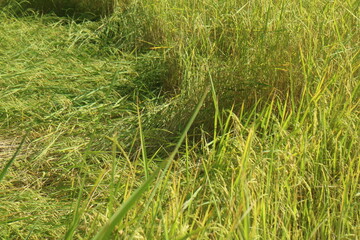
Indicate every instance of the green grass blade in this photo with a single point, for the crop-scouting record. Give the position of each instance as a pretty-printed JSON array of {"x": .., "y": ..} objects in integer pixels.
[
  {"x": 142, "y": 141},
  {"x": 76, "y": 217}
]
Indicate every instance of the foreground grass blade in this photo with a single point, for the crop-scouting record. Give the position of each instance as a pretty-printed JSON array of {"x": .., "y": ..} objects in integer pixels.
[
  {"x": 142, "y": 141},
  {"x": 105, "y": 232},
  {"x": 10, "y": 162},
  {"x": 77, "y": 215}
]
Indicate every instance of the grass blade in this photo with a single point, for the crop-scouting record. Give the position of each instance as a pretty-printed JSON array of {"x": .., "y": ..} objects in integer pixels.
[{"x": 142, "y": 141}]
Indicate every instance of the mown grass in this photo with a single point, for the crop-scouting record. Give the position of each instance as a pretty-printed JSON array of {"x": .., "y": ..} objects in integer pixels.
[{"x": 273, "y": 153}]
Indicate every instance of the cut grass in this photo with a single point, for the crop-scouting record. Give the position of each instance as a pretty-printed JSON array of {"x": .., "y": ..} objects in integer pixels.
[{"x": 286, "y": 167}]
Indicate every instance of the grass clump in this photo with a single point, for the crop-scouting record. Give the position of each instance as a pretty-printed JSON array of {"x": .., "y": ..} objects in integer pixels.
[{"x": 275, "y": 152}]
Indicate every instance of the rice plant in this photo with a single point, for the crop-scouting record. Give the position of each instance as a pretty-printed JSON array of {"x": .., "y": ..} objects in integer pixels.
[{"x": 91, "y": 111}]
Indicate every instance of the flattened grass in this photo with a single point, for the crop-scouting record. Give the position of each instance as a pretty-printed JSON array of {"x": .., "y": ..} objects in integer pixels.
[{"x": 59, "y": 84}]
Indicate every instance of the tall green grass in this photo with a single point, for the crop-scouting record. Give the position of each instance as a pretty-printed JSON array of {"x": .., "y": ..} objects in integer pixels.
[
  {"x": 273, "y": 154},
  {"x": 251, "y": 50}
]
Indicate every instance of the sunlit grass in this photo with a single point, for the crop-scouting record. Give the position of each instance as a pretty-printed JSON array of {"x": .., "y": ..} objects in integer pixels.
[{"x": 273, "y": 153}]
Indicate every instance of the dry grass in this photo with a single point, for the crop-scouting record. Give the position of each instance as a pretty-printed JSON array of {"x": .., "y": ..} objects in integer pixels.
[{"x": 7, "y": 147}]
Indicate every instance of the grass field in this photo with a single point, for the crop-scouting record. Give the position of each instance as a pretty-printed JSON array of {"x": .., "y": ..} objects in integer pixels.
[{"x": 182, "y": 120}]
